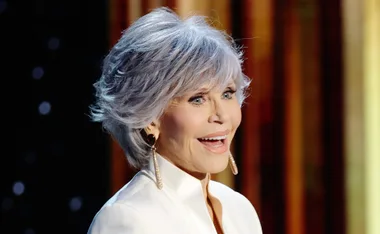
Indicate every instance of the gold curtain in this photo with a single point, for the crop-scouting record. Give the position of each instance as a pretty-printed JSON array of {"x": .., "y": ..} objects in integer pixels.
[{"x": 307, "y": 147}]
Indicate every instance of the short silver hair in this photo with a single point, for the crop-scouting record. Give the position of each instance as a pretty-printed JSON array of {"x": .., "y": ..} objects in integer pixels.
[{"x": 158, "y": 58}]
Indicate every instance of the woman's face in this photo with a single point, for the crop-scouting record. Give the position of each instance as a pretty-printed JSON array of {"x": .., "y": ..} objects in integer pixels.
[{"x": 196, "y": 131}]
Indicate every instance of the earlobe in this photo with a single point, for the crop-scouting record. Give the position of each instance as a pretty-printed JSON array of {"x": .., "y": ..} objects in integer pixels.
[{"x": 153, "y": 128}]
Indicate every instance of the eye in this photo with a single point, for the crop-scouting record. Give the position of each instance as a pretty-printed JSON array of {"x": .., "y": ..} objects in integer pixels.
[
  {"x": 228, "y": 94},
  {"x": 197, "y": 100}
]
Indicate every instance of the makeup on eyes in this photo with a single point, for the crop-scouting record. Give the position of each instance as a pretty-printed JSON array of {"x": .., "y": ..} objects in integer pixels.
[{"x": 201, "y": 95}]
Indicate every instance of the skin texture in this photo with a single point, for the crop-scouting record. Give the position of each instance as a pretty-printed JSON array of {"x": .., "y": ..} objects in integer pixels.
[
  {"x": 185, "y": 122},
  {"x": 193, "y": 116}
]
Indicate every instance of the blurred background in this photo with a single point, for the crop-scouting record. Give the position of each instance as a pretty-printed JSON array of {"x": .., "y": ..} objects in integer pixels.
[{"x": 308, "y": 149}]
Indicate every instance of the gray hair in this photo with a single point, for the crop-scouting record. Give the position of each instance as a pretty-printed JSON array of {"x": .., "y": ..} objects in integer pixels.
[{"x": 158, "y": 58}]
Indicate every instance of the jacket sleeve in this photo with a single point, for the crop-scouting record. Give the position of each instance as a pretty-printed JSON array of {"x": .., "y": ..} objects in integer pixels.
[{"x": 118, "y": 219}]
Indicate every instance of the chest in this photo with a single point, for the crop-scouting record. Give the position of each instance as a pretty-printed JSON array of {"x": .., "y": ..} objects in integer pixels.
[{"x": 184, "y": 217}]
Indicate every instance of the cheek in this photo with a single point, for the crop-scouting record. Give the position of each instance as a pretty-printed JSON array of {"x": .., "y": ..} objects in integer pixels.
[
  {"x": 182, "y": 124},
  {"x": 236, "y": 116}
]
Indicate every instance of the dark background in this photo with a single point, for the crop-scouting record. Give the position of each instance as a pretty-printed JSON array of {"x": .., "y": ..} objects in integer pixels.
[
  {"x": 54, "y": 173},
  {"x": 54, "y": 168}
]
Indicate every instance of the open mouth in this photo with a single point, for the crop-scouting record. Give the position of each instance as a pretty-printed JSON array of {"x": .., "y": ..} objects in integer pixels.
[{"x": 215, "y": 144}]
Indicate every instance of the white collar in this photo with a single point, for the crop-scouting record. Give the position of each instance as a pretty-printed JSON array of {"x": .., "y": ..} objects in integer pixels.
[
  {"x": 186, "y": 188},
  {"x": 173, "y": 178}
]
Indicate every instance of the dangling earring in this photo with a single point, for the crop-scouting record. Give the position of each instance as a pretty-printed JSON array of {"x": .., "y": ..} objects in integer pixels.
[
  {"x": 152, "y": 142},
  {"x": 233, "y": 166}
]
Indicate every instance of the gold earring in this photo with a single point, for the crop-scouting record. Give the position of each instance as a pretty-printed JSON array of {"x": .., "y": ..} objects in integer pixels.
[
  {"x": 233, "y": 166},
  {"x": 152, "y": 142}
]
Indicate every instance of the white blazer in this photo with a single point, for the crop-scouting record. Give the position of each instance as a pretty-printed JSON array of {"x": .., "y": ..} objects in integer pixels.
[{"x": 179, "y": 208}]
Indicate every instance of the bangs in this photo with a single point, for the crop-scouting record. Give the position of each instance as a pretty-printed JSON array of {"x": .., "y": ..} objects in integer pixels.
[{"x": 208, "y": 65}]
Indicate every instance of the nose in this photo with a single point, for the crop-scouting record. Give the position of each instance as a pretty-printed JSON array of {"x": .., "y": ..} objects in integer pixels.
[{"x": 219, "y": 113}]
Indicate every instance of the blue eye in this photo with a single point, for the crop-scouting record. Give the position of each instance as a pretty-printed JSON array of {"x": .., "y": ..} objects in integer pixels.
[
  {"x": 228, "y": 94},
  {"x": 197, "y": 100}
]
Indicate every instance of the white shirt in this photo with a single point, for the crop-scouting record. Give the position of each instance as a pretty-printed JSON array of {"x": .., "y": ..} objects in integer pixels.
[{"x": 180, "y": 207}]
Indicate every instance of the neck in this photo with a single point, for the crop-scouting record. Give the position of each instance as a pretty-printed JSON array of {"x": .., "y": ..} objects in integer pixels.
[{"x": 204, "y": 183}]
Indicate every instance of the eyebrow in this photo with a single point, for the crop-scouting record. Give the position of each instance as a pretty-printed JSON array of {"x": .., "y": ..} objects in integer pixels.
[
  {"x": 207, "y": 90},
  {"x": 232, "y": 83},
  {"x": 203, "y": 90}
]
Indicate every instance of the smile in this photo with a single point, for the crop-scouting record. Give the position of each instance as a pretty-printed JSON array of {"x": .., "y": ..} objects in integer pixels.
[{"x": 217, "y": 144}]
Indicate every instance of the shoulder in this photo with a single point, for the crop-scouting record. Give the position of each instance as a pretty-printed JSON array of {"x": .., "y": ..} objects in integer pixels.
[
  {"x": 139, "y": 190},
  {"x": 237, "y": 205},
  {"x": 118, "y": 218},
  {"x": 123, "y": 212}
]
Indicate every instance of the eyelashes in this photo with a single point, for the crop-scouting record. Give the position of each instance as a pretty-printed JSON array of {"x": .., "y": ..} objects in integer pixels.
[
  {"x": 228, "y": 94},
  {"x": 200, "y": 98}
]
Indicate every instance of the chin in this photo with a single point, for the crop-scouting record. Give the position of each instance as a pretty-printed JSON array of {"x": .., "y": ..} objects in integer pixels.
[{"x": 218, "y": 166}]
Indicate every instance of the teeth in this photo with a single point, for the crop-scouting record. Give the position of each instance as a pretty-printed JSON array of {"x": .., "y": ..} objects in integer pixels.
[{"x": 214, "y": 138}]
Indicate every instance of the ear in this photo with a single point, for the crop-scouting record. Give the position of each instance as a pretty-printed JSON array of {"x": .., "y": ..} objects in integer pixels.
[{"x": 153, "y": 128}]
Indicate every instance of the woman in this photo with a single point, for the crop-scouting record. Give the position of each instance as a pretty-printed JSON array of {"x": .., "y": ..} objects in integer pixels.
[{"x": 170, "y": 94}]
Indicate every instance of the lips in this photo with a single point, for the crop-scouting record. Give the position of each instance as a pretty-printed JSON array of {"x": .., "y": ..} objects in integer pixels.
[
  {"x": 216, "y": 142},
  {"x": 216, "y": 134}
]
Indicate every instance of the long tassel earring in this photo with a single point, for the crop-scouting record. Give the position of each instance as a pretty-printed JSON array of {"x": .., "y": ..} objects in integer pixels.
[
  {"x": 233, "y": 166},
  {"x": 152, "y": 142}
]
